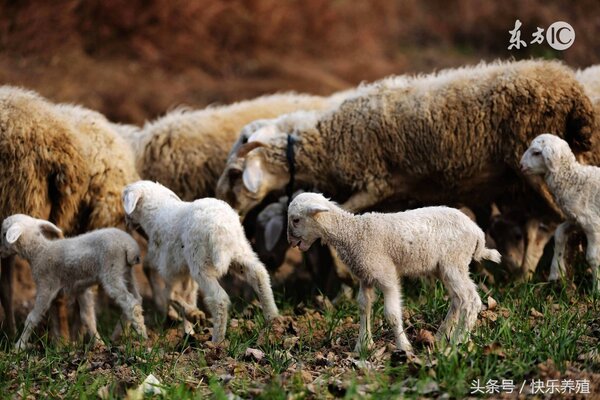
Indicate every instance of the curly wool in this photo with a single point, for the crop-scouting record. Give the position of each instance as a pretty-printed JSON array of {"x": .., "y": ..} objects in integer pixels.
[
  {"x": 451, "y": 137},
  {"x": 186, "y": 150}
]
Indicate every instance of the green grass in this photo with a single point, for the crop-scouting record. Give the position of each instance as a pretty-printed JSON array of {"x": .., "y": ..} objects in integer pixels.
[{"x": 537, "y": 330}]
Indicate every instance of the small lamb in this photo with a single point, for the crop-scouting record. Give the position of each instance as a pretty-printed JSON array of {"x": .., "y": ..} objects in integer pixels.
[
  {"x": 575, "y": 188},
  {"x": 202, "y": 238},
  {"x": 381, "y": 248},
  {"x": 105, "y": 256}
]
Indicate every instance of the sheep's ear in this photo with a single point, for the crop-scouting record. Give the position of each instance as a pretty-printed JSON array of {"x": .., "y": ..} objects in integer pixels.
[
  {"x": 13, "y": 233},
  {"x": 550, "y": 158},
  {"x": 263, "y": 134},
  {"x": 247, "y": 148},
  {"x": 273, "y": 231},
  {"x": 252, "y": 176},
  {"x": 51, "y": 231},
  {"x": 130, "y": 201},
  {"x": 316, "y": 208}
]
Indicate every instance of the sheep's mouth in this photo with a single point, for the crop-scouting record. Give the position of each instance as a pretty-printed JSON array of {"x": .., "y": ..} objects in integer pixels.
[{"x": 298, "y": 242}]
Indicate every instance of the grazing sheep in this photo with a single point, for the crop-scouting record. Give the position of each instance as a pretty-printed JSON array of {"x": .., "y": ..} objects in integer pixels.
[
  {"x": 452, "y": 137},
  {"x": 104, "y": 256},
  {"x": 381, "y": 248},
  {"x": 202, "y": 238},
  {"x": 575, "y": 188},
  {"x": 186, "y": 150},
  {"x": 61, "y": 163}
]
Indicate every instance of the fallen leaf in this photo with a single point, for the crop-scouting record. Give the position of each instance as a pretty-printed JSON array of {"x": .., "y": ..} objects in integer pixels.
[
  {"x": 253, "y": 354},
  {"x": 491, "y": 303},
  {"x": 535, "y": 313},
  {"x": 425, "y": 337}
]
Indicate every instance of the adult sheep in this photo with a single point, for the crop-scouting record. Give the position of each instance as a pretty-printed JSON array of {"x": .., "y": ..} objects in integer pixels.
[
  {"x": 186, "y": 150},
  {"x": 62, "y": 163},
  {"x": 451, "y": 137}
]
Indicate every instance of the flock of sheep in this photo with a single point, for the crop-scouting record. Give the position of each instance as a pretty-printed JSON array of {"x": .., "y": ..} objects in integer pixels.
[{"x": 507, "y": 143}]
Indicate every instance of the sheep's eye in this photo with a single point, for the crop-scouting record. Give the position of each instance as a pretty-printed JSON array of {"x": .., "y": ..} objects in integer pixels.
[
  {"x": 296, "y": 220},
  {"x": 536, "y": 152}
]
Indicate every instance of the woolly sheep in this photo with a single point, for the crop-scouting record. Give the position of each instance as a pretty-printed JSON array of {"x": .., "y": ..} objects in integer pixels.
[
  {"x": 531, "y": 234},
  {"x": 575, "y": 188},
  {"x": 186, "y": 150},
  {"x": 381, "y": 248},
  {"x": 105, "y": 256},
  {"x": 452, "y": 137},
  {"x": 202, "y": 238},
  {"x": 60, "y": 163}
]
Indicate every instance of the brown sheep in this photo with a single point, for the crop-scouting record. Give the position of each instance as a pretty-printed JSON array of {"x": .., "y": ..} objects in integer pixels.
[
  {"x": 62, "y": 163},
  {"x": 452, "y": 137}
]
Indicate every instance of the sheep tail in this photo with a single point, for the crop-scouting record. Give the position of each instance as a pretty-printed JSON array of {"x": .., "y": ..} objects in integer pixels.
[{"x": 483, "y": 253}]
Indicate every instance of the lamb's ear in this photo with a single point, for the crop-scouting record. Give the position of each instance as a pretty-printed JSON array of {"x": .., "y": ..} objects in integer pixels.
[
  {"x": 316, "y": 208},
  {"x": 273, "y": 231},
  {"x": 130, "y": 201},
  {"x": 253, "y": 175},
  {"x": 13, "y": 233},
  {"x": 50, "y": 230},
  {"x": 550, "y": 158}
]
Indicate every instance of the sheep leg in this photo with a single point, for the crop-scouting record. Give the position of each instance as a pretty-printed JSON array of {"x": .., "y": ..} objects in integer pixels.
[
  {"x": 593, "y": 258},
  {"x": 117, "y": 290},
  {"x": 187, "y": 300},
  {"x": 536, "y": 241},
  {"x": 561, "y": 235},
  {"x": 158, "y": 292},
  {"x": 217, "y": 302},
  {"x": 392, "y": 309},
  {"x": 366, "y": 296},
  {"x": 43, "y": 300},
  {"x": 465, "y": 304},
  {"x": 87, "y": 312},
  {"x": 256, "y": 274},
  {"x": 6, "y": 293},
  {"x": 59, "y": 318}
]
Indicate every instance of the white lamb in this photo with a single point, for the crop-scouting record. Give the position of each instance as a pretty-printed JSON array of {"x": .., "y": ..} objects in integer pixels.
[
  {"x": 105, "y": 256},
  {"x": 381, "y": 248},
  {"x": 202, "y": 238},
  {"x": 575, "y": 188}
]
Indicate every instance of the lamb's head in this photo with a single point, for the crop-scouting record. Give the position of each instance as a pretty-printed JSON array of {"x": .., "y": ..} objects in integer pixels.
[
  {"x": 259, "y": 168},
  {"x": 304, "y": 226},
  {"x": 19, "y": 229},
  {"x": 547, "y": 153},
  {"x": 141, "y": 197}
]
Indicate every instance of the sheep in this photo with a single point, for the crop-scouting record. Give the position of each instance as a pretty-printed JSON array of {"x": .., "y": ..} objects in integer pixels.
[
  {"x": 102, "y": 256},
  {"x": 201, "y": 239},
  {"x": 61, "y": 163},
  {"x": 451, "y": 137},
  {"x": 381, "y": 248},
  {"x": 186, "y": 150},
  {"x": 575, "y": 187},
  {"x": 531, "y": 234}
]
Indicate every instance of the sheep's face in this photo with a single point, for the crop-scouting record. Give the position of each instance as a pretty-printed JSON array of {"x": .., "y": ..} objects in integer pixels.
[
  {"x": 303, "y": 225},
  {"x": 19, "y": 228},
  {"x": 544, "y": 155},
  {"x": 254, "y": 182}
]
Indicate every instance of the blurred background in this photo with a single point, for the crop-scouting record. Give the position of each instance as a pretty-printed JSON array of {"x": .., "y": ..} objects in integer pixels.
[{"x": 135, "y": 59}]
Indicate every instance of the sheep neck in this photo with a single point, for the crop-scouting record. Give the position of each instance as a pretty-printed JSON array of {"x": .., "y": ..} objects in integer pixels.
[
  {"x": 335, "y": 228},
  {"x": 34, "y": 249},
  {"x": 565, "y": 183},
  {"x": 154, "y": 216}
]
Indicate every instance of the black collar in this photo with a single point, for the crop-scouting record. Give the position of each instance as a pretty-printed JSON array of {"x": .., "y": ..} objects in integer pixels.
[{"x": 289, "y": 155}]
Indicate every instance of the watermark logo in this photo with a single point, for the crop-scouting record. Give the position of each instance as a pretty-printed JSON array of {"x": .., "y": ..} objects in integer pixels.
[
  {"x": 560, "y": 36},
  {"x": 534, "y": 386}
]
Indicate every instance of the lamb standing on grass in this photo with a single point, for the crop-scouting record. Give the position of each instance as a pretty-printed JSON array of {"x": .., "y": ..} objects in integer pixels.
[
  {"x": 202, "y": 238},
  {"x": 104, "y": 256},
  {"x": 381, "y": 248},
  {"x": 575, "y": 188}
]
